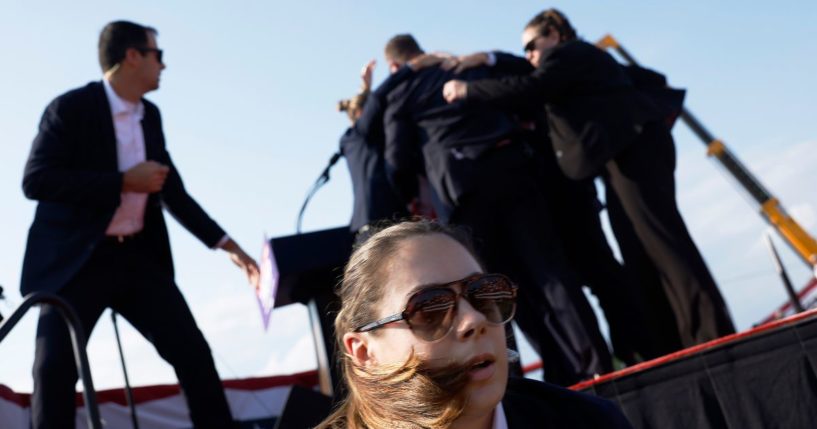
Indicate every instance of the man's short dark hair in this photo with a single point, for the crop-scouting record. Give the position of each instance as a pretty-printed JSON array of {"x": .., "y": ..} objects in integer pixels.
[
  {"x": 553, "y": 19},
  {"x": 117, "y": 37},
  {"x": 402, "y": 48}
]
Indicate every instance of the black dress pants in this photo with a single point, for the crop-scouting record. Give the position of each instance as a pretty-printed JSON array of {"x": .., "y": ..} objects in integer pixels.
[
  {"x": 127, "y": 278},
  {"x": 641, "y": 192},
  {"x": 514, "y": 235},
  {"x": 643, "y": 276},
  {"x": 576, "y": 213}
]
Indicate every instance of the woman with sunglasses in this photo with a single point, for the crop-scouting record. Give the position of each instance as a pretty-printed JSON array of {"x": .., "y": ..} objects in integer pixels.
[{"x": 421, "y": 328}]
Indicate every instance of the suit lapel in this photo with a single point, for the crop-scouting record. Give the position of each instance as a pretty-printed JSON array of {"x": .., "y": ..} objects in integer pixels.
[
  {"x": 106, "y": 130},
  {"x": 151, "y": 133}
]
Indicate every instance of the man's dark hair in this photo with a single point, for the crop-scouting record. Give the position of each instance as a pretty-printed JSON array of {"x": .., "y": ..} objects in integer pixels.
[
  {"x": 402, "y": 48},
  {"x": 117, "y": 37},
  {"x": 553, "y": 19}
]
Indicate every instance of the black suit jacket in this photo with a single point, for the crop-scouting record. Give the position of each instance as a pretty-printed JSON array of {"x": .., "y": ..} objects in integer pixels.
[
  {"x": 533, "y": 404},
  {"x": 362, "y": 145},
  {"x": 72, "y": 171},
  {"x": 425, "y": 133},
  {"x": 590, "y": 100}
]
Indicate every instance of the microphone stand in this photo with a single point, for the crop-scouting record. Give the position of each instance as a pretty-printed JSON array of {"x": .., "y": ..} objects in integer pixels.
[
  {"x": 322, "y": 179},
  {"x": 321, "y": 355}
]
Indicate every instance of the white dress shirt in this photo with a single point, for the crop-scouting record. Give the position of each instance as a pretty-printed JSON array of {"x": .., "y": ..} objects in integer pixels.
[
  {"x": 129, "y": 218},
  {"x": 130, "y": 150}
]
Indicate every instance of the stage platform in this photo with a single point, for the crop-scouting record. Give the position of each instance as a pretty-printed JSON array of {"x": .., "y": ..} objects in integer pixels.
[{"x": 765, "y": 377}]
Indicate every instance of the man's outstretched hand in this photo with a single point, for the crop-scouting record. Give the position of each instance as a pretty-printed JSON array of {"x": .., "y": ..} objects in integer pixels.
[
  {"x": 366, "y": 74},
  {"x": 244, "y": 261}
]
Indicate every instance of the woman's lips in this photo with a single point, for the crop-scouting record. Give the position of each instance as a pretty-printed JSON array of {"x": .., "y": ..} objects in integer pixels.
[
  {"x": 483, "y": 367},
  {"x": 479, "y": 373}
]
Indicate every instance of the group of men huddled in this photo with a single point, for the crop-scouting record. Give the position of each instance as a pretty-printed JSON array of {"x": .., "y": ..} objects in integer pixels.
[{"x": 510, "y": 147}]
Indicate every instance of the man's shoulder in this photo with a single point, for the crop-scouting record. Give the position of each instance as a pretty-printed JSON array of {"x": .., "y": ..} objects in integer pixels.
[
  {"x": 76, "y": 99},
  {"x": 573, "y": 50},
  {"x": 416, "y": 86},
  {"x": 583, "y": 51},
  {"x": 81, "y": 93}
]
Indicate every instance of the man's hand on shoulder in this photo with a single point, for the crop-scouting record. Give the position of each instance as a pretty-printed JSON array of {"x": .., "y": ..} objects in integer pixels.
[
  {"x": 428, "y": 60},
  {"x": 243, "y": 261},
  {"x": 148, "y": 177},
  {"x": 465, "y": 62}
]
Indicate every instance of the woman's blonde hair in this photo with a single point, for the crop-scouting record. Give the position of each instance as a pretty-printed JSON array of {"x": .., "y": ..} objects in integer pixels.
[{"x": 408, "y": 395}]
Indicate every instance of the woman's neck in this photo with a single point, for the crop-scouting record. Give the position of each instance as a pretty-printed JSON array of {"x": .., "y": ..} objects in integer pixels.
[{"x": 484, "y": 421}]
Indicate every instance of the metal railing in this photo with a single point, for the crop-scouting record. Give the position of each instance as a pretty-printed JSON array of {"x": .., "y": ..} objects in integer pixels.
[{"x": 78, "y": 341}]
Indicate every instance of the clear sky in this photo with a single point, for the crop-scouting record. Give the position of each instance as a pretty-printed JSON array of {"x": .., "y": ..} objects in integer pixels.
[{"x": 248, "y": 102}]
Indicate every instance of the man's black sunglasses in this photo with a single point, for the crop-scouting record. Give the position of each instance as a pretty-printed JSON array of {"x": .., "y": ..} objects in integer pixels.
[
  {"x": 159, "y": 52},
  {"x": 531, "y": 45},
  {"x": 430, "y": 312}
]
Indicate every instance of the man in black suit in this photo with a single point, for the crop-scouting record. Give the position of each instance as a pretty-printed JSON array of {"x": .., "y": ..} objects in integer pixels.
[
  {"x": 575, "y": 212},
  {"x": 362, "y": 146},
  {"x": 101, "y": 174},
  {"x": 485, "y": 174},
  {"x": 600, "y": 124}
]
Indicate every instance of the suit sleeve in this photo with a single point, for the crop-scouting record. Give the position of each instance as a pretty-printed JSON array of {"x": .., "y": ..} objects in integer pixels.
[
  {"x": 539, "y": 86},
  {"x": 50, "y": 173},
  {"x": 183, "y": 207},
  {"x": 401, "y": 152}
]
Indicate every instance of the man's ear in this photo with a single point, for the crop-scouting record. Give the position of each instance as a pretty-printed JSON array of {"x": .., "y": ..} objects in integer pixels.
[
  {"x": 357, "y": 346},
  {"x": 132, "y": 56}
]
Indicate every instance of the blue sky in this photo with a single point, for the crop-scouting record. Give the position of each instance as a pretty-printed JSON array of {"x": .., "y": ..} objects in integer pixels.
[{"x": 248, "y": 106}]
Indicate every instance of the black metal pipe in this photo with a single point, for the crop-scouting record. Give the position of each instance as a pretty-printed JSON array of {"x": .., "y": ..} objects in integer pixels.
[
  {"x": 784, "y": 276},
  {"x": 742, "y": 175},
  {"x": 77, "y": 341},
  {"x": 128, "y": 390}
]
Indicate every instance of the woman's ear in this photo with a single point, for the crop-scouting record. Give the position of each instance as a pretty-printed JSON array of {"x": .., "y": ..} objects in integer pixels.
[{"x": 357, "y": 346}]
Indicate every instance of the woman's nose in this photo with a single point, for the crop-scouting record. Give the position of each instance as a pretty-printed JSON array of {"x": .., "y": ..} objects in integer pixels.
[{"x": 470, "y": 321}]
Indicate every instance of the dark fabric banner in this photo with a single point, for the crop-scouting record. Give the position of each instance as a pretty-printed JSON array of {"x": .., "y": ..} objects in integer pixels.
[{"x": 761, "y": 379}]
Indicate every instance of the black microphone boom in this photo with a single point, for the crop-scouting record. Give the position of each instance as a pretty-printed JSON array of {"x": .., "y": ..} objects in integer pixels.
[{"x": 322, "y": 179}]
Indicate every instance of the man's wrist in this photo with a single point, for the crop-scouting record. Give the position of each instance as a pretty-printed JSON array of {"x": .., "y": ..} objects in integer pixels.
[{"x": 225, "y": 243}]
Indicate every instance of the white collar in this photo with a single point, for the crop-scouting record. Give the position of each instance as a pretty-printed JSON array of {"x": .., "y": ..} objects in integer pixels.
[
  {"x": 500, "y": 422},
  {"x": 120, "y": 106}
]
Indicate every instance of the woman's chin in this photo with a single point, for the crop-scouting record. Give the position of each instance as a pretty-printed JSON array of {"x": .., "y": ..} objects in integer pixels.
[{"x": 483, "y": 396}]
